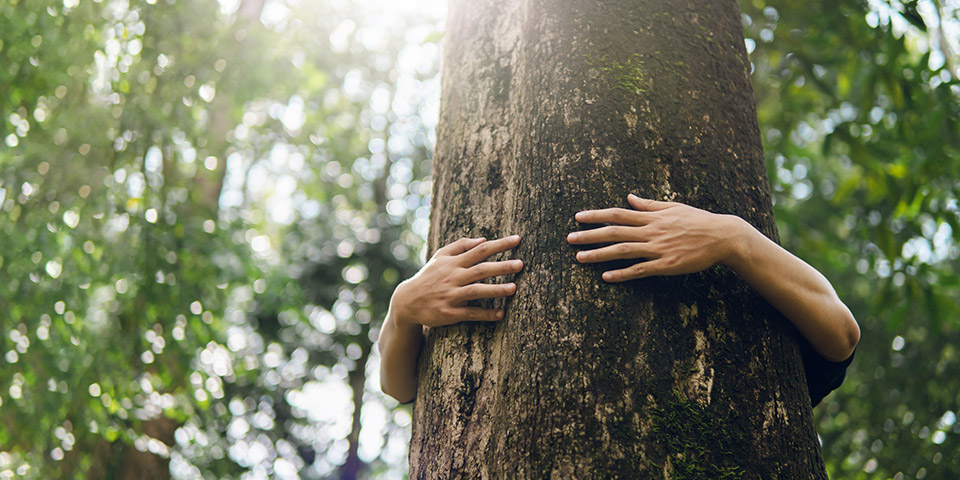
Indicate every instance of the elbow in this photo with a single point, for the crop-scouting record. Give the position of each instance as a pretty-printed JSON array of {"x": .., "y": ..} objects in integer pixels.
[
  {"x": 843, "y": 340},
  {"x": 852, "y": 334},
  {"x": 399, "y": 395},
  {"x": 398, "y": 392},
  {"x": 849, "y": 337}
]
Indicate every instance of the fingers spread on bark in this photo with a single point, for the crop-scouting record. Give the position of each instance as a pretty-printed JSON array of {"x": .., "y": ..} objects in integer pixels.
[
  {"x": 476, "y": 291},
  {"x": 620, "y": 251},
  {"x": 460, "y": 246},
  {"x": 620, "y": 216},
  {"x": 472, "y": 314},
  {"x": 638, "y": 270},
  {"x": 487, "y": 249},
  {"x": 613, "y": 233},
  {"x": 486, "y": 270},
  {"x": 647, "y": 204}
]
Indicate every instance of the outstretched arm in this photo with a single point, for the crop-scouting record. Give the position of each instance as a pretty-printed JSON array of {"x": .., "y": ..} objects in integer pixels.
[
  {"x": 678, "y": 239},
  {"x": 437, "y": 296}
]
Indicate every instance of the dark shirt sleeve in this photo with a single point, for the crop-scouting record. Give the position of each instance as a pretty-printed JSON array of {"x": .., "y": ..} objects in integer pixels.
[{"x": 823, "y": 376}]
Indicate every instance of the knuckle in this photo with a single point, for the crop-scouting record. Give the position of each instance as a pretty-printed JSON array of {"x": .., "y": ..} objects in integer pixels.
[
  {"x": 482, "y": 270},
  {"x": 623, "y": 248},
  {"x": 447, "y": 298}
]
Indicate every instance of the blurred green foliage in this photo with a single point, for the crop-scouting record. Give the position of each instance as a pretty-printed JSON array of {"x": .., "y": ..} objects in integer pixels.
[{"x": 205, "y": 207}]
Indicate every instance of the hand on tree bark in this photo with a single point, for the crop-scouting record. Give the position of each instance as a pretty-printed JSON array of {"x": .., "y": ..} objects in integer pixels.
[
  {"x": 674, "y": 237},
  {"x": 438, "y": 294},
  {"x": 678, "y": 239}
]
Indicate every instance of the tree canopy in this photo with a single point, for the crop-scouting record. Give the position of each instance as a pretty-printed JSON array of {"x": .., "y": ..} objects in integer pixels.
[{"x": 205, "y": 207}]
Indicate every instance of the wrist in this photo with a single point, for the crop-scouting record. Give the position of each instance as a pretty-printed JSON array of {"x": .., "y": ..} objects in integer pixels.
[
  {"x": 398, "y": 313},
  {"x": 737, "y": 249}
]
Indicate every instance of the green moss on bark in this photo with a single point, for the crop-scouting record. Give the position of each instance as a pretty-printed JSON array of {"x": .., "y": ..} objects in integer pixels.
[
  {"x": 698, "y": 446},
  {"x": 626, "y": 76}
]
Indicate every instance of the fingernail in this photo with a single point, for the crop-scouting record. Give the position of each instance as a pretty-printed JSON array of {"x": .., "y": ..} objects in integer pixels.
[
  {"x": 578, "y": 216},
  {"x": 573, "y": 236},
  {"x": 499, "y": 313},
  {"x": 633, "y": 196},
  {"x": 580, "y": 256},
  {"x": 607, "y": 276},
  {"x": 518, "y": 264}
]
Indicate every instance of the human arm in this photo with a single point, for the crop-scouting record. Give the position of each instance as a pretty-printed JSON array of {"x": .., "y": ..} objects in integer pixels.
[
  {"x": 437, "y": 296},
  {"x": 678, "y": 239}
]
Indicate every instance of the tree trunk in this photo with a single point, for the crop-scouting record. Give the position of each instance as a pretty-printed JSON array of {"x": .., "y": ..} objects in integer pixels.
[
  {"x": 350, "y": 470},
  {"x": 550, "y": 107}
]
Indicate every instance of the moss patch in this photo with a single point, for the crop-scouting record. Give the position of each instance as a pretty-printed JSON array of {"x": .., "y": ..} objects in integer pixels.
[
  {"x": 626, "y": 76},
  {"x": 698, "y": 447}
]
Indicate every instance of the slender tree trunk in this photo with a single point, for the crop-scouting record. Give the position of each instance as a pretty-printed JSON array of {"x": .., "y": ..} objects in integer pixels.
[
  {"x": 144, "y": 465},
  {"x": 350, "y": 470},
  {"x": 554, "y": 106}
]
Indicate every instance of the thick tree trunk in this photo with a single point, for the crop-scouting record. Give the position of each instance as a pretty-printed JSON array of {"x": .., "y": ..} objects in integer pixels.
[{"x": 554, "y": 106}]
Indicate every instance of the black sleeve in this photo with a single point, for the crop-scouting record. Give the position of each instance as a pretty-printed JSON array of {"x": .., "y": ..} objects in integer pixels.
[{"x": 823, "y": 376}]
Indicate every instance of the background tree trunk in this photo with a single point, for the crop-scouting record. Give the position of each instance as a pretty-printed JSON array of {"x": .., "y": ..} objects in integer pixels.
[{"x": 554, "y": 106}]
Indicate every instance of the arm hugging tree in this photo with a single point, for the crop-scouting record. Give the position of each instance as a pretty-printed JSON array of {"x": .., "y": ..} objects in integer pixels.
[{"x": 554, "y": 107}]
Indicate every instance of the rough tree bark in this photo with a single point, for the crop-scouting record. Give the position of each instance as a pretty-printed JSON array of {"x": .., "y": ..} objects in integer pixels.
[{"x": 554, "y": 106}]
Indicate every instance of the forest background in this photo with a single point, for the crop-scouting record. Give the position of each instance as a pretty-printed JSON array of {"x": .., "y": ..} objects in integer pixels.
[{"x": 205, "y": 207}]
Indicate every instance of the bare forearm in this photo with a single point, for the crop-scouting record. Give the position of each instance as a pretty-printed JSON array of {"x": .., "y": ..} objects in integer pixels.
[
  {"x": 399, "y": 346},
  {"x": 797, "y": 290}
]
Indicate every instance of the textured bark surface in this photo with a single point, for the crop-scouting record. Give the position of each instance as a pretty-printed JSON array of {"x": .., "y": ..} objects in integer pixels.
[{"x": 550, "y": 107}]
